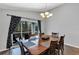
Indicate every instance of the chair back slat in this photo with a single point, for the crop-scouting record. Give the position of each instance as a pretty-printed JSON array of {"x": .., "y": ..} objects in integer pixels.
[
  {"x": 21, "y": 48},
  {"x": 61, "y": 44},
  {"x": 52, "y": 47},
  {"x": 56, "y": 35}
]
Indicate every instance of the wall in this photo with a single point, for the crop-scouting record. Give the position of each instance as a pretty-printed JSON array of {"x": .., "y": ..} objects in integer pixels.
[
  {"x": 65, "y": 20},
  {"x": 5, "y": 21}
]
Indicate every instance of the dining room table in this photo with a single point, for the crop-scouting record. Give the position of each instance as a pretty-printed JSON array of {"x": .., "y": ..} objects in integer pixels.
[
  {"x": 38, "y": 50},
  {"x": 42, "y": 46}
]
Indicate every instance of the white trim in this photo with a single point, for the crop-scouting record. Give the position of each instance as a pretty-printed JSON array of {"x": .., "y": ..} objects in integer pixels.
[
  {"x": 3, "y": 50},
  {"x": 22, "y": 19},
  {"x": 71, "y": 45},
  {"x": 21, "y": 29}
]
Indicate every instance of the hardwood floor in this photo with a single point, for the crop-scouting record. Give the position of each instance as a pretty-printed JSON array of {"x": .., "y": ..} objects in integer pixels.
[{"x": 68, "y": 50}]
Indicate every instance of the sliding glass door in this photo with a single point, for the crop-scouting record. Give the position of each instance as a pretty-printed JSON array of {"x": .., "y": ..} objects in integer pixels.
[{"x": 25, "y": 27}]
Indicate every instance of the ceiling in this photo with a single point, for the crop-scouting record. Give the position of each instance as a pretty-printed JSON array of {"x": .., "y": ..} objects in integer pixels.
[{"x": 35, "y": 7}]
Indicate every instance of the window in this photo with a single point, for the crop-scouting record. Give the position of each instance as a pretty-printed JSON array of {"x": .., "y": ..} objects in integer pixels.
[{"x": 25, "y": 27}]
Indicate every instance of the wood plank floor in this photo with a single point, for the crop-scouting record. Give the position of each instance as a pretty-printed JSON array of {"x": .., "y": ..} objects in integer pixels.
[{"x": 68, "y": 50}]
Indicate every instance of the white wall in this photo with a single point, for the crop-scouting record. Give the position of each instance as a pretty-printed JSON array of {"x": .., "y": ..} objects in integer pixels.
[
  {"x": 65, "y": 20},
  {"x": 5, "y": 21}
]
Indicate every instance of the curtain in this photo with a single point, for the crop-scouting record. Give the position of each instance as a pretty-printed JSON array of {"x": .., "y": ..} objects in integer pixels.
[
  {"x": 39, "y": 24},
  {"x": 13, "y": 23}
]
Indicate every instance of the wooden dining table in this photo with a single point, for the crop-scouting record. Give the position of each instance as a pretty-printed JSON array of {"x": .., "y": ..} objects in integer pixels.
[
  {"x": 41, "y": 48},
  {"x": 37, "y": 50}
]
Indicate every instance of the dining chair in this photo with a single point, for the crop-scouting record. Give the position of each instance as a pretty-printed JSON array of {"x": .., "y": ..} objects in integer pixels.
[
  {"x": 20, "y": 50},
  {"x": 52, "y": 49},
  {"x": 24, "y": 50},
  {"x": 55, "y": 35},
  {"x": 14, "y": 51},
  {"x": 61, "y": 44}
]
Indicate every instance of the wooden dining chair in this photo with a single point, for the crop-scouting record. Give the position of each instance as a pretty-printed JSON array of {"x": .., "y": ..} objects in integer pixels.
[
  {"x": 56, "y": 35},
  {"x": 21, "y": 48},
  {"x": 17, "y": 50},
  {"x": 61, "y": 44},
  {"x": 24, "y": 50},
  {"x": 52, "y": 49}
]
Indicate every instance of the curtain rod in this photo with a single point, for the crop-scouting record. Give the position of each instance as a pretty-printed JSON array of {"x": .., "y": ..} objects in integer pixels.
[{"x": 22, "y": 17}]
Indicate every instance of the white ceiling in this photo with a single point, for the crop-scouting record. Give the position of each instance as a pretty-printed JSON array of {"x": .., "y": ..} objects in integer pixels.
[{"x": 36, "y": 7}]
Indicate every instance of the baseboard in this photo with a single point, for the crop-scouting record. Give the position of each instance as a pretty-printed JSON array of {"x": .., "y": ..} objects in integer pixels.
[
  {"x": 71, "y": 45},
  {"x": 3, "y": 50}
]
